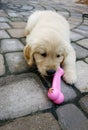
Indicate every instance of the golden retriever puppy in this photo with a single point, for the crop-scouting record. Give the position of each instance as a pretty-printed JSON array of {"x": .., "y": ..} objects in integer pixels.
[{"x": 48, "y": 44}]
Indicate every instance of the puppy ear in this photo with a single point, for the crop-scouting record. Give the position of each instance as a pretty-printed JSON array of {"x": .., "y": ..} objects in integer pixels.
[{"x": 28, "y": 54}]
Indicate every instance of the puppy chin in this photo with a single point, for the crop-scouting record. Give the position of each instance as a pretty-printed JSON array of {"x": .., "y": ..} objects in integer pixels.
[
  {"x": 45, "y": 75},
  {"x": 42, "y": 72}
]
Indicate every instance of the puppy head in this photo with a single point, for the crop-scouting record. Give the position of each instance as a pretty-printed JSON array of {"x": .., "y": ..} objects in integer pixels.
[
  {"x": 48, "y": 60},
  {"x": 47, "y": 55}
]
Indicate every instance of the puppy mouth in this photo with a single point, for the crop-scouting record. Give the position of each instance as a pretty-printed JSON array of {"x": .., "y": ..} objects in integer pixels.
[
  {"x": 47, "y": 75},
  {"x": 50, "y": 76},
  {"x": 48, "y": 79},
  {"x": 50, "y": 72}
]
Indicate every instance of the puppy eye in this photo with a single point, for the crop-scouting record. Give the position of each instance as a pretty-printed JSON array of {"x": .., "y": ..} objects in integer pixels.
[
  {"x": 58, "y": 56},
  {"x": 44, "y": 54}
]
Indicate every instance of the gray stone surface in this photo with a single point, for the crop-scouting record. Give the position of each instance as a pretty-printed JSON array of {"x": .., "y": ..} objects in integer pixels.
[
  {"x": 69, "y": 93},
  {"x": 2, "y": 13},
  {"x": 83, "y": 42},
  {"x": 25, "y": 14},
  {"x": 75, "y": 21},
  {"x": 16, "y": 33},
  {"x": 82, "y": 32},
  {"x": 49, "y": 8},
  {"x": 23, "y": 95},
  {"x": 23, "y": 41},
  {"x": 80, "y": 52},
  {"x": 71, "y": 118},
  {"x": 72, "y": 26},
  {"x": 64, "y": 13},
  {"x": 39, "y": 122},
  {"x": 83, "y": 27},
  {"x": 86, "y": 59},
  {"x": 3, "y": 34},
  {"x": 27, "y": 7},
  {"x": 76, "y": 36},
  {"x": 9, "y": 45},
  {"x": 4, "y": 19},
  {"x": 16, "y": 62},
  {"x": 84, "y": 103},
  {"x": 2, "y": 66},
  {"x": 16, "y": 19},
  {"x": 4, "y": 26},
  {"x": 18, "y": 24},
  {"x": 13, "y": 14},
  {"x": 82, "y": 74}
]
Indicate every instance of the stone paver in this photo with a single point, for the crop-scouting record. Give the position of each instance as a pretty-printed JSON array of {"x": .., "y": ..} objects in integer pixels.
[
  {"x": 82, "y": 73},
  {"x": 15, "y": 19},
  {"x": 83, "y": 27},
  {"x": 2, "y": 13},
  {"x": 16, "y": 33},
  {"x": 82, "y": 32},
  {"x": 3, "y": 34},
  {"x": 64, "y": 13},
  {"x": 80, "y": 52},
  {"x": 16, "y": 62},
  {"x": 41, "y": 122},
  {"x": 86, "y": 59},
  {"x": 76, "y": 36},
  {"x": 22, "y": 97},
  {"x": 21, "y": 91},
  {"x": 4, "y": 19},
  {"x": 18, "y": 24},
  {"x": 4, "y": 26},
  {"x": 83, "y": 43},
  {"x": 9, "y": 45},
  {"x": 74, "y": 21},
  {"x": 2, "y": 66},
  {"x": 13, "y": 14},
  {"x": 27, "y": 7},
  {"x": 68, "y": 92},
  {"x": 25, "y": 14},
  {"x": 72, "y": 26},
  {"x": 71, "y": 118},
  {"x": 23, "y": 41},
  {"x": 84, "y": 103}
]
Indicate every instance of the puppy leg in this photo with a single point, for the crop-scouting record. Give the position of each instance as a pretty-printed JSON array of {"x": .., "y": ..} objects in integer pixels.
[
  {"x": 32, "y": 20},
  {"x": 69, "y": 66}
]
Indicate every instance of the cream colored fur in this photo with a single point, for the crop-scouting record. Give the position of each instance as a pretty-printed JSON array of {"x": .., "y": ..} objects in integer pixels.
[{"x": 48, "y": 44}]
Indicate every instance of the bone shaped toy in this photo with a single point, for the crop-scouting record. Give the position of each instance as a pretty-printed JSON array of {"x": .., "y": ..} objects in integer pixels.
[{"x": 54, "y": 93}]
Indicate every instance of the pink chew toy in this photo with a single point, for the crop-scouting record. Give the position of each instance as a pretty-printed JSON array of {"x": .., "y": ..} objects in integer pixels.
[{"x": 55, "y": 93}]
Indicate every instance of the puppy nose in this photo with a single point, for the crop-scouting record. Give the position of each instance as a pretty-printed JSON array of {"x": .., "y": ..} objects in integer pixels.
[{"x": 50, "y": 72}]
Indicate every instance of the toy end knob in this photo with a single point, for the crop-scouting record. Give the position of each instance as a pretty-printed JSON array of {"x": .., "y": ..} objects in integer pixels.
[{"x": 60, "y": 99}]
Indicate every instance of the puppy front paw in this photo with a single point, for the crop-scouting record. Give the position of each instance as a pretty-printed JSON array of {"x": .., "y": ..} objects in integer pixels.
[{"x": 70, "y": 77}]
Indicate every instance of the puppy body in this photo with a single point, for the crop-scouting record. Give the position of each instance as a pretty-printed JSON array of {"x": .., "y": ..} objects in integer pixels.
[{"x": 48, "y": 44}]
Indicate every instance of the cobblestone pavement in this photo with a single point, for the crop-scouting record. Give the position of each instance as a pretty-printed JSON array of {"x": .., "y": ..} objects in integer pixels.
[{"x": 19, "y": 83}]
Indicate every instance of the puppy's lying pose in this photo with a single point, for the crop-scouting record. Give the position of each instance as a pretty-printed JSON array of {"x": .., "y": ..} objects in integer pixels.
[{"x": 48, "y": 45}]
